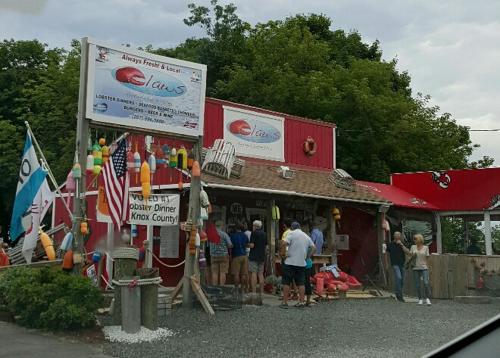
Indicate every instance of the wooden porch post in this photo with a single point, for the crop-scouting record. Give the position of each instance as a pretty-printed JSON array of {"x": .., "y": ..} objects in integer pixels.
[
  {"x": 271, "y": 232},
  {"x": 380, "y": 241},
  {"x": 487, "y": 233},
  {"x": 439, "y": 238}
]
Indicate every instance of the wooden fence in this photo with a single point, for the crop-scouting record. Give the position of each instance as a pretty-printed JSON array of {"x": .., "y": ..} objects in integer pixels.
[{"x": 453, "y": 275}]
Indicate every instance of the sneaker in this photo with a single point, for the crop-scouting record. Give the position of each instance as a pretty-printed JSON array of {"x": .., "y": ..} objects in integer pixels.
[
  {"x": 428, "y": 302},
  {"x": 284, "y": 306},
  {"x": 420, "y": 302}
]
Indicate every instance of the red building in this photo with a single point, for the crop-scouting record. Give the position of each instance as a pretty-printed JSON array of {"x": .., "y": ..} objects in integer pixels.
[{"x": 270, "y": 143}]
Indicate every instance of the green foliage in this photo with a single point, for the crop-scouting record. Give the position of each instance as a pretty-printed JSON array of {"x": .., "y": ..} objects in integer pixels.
[
  {"x": 37, "y": 85},
  {"x": 49, "y": 298}
]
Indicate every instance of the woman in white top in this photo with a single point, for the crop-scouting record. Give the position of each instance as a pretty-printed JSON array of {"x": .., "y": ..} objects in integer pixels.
[{"x": 420, "y": 252}]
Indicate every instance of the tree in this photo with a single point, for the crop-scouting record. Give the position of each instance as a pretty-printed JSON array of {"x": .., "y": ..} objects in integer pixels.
[
  {"x": 300, "y": 66},
  {"x": 37, "y": 85}
]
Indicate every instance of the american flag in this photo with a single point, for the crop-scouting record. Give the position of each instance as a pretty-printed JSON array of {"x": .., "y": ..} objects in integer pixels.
[{"x": 116, "y": 183}]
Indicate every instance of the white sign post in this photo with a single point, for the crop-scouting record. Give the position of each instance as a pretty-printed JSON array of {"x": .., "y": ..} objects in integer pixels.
[{"x": 136, "y": 89}]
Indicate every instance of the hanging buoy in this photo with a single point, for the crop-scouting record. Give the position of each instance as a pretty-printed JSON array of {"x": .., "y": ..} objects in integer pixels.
[
  {"x": 48, "y": 246},
  {"x": 152, "y": 163},
  {"x": 105, "y": 154},
  {"x": 67, "y": 241},
  {"x": 173, "y": 158},
  {"x": 190, "y": 159},
  {"x": 77, "y": 171},
  {"x": 96, "y": 257},
  {"x": 89, "y": 167},
  {"x": 67, "y": 264},
  {"x": 133, "y": 231},
  {"x": 145, "y": 180},
  {"x": 70, "y": 186},
  {"x": 102, "y": 141},
  {"x": 166, "y": 154},
  {"x": 97, "y": 153},
  {"x": 275, "y": 212},
  {"x": 182, "y": 158},
  {"x": 196, "y": 172},
  {"x": 97, "y": 170},
  {"x": 137, "y": 162}
]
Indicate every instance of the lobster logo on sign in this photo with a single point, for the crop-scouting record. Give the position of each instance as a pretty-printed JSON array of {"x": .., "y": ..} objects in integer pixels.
[
  {"x": 153, "y": 83},
  {"x": 442, "y": 179}
]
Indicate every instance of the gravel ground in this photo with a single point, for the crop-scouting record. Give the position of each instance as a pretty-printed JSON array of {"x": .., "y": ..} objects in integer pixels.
[{"x": 349, "y": 328}]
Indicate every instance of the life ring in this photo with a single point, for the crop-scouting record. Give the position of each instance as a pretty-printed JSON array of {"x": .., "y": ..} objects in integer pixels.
[{"x": 310, "y": 146}]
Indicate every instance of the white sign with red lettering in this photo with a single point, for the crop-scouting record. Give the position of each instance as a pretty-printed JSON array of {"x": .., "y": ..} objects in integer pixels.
[{"x": 254, "y": 134}]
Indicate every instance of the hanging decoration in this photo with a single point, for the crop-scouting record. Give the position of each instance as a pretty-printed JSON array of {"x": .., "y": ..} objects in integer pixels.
[
  {"x": 137, "y": 163},
  {"x": 172, "y": 162},
  {"x": 67, "y": 264},
  {"x": 166, "y": 154},
  {"x": 67, "y": 242},
  {"x": 48, "y": 246},
  {"x": 145, "y": 180},
  {"x": 152, "y": 165},
  {"x": 70, "y": 186},
  {"x": 89, "y": 167},
  {"x": 105, "y": 154},
  {"x": 310, "y": 146},
  {"x": 190, "y": 159},
  {"x": 204, "y": 205},
  {"x": 275, "y": 213},
  {"x": 196, "y": 172}
]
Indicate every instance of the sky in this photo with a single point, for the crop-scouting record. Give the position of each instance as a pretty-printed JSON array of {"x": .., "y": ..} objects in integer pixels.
[{"x": 450, "y": 48}]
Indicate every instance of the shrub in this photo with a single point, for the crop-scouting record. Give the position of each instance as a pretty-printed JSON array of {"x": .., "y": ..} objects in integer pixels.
[{"x": 49, "y": 298}]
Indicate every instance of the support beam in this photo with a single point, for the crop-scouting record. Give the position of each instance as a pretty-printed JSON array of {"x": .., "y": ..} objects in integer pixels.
[
  {"x": 380, "y": 242},
  {"x": 109, "y": 251},
  {"x": 271, "y": 232},
  {"x": 193, "y": 216},
  {"x": 148, "y": 245},
  {"x": 82, "y": 133},
  {"x": 487, "y": 233},
  {"x": 439, "y": 236}
]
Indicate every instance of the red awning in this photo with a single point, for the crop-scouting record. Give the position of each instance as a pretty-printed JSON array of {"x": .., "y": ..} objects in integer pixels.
[{"x": 396, "y": 196}]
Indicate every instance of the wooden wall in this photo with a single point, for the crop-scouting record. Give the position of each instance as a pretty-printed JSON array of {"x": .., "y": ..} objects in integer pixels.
[{"x": 451, "y": 275}]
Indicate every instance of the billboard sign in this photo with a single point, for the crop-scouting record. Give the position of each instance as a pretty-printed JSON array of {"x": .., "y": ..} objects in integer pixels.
[
  {"x": 139, "y": 90},
  {"x": 254, "y": 134}
]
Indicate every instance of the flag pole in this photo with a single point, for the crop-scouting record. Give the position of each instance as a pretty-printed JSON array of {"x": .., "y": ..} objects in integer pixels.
[{"x": 49, "y": 172}]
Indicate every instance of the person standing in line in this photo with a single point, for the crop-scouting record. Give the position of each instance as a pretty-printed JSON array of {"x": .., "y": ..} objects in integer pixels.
[
  {"x": 239, "y": 265},
  {"x": 421, "y": 269},
  {"x": 219, "y": 256},
  {"x": 300, "y": 247},
  {"x": 258, "y": 244},
  {"x": 397, "y": 252},
  {"x": 317, "y": 238}
]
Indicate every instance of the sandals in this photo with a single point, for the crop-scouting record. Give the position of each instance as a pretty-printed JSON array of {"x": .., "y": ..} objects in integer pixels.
[{"x": 300, "y": 305}]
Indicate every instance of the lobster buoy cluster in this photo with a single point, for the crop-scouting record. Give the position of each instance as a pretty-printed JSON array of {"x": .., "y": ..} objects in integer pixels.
[
  {"x": 327, "y": 281},
  {"x": 310, "y": 146}
]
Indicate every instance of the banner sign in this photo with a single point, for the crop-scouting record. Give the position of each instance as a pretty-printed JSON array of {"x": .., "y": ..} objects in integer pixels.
[
  {"x": 254, "y": 134},
  {"x": 136, "y": 89},
  {"x": 158, "y": 210}
]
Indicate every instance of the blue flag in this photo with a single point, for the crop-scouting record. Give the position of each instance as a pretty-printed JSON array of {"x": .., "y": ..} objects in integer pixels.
[{"x": 31, "y": 178}]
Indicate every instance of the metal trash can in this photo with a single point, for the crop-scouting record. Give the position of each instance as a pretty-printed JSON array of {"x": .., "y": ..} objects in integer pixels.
[{"x": 131, "y": 304}]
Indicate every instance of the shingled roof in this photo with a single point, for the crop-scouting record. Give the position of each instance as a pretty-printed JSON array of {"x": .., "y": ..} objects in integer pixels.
[{"x": 260, "y": 177}]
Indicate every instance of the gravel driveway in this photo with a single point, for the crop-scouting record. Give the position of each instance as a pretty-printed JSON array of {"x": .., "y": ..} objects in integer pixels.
[{"x": 348, "y": 328}]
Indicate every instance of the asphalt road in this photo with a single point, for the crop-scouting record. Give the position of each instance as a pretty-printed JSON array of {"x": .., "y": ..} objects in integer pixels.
[
  {"x": 20, "y": 342},
  {"x": 349, "y": 328}
]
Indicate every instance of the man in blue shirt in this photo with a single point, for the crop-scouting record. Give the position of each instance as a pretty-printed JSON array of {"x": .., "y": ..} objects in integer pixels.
[
  {"x": 239, "y": 265},
  {"x": 317, "y": 238}
]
